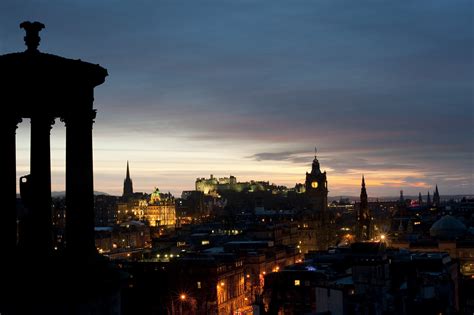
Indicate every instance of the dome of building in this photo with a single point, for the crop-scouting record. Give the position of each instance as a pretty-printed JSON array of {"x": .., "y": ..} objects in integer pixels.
[{"x": 448, "y": 227}]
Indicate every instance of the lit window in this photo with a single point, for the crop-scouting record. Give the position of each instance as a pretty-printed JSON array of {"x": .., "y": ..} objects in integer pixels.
[
  {"x": 198, "y": 284},
  {"x": 297, "y": 283}
]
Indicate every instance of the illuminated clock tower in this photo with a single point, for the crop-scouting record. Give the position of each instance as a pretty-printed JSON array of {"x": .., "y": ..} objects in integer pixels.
[{"x": 316, "y": 186}]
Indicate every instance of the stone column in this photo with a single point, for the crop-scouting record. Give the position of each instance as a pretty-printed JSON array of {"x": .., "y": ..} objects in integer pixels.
[
  {"x": 80, "y": 239},
  {"x": 8, "y": 217},
  {"x": 38, "y": 229}
]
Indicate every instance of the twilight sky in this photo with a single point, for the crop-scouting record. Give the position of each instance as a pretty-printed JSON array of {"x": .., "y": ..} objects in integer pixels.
[{"x": 249, "y": 87}]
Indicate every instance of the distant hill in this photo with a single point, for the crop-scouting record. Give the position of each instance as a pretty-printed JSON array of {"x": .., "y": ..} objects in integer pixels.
[
  {"x": 396, "y": 198},
  {"x": 56, "y": 194},
  {"x": 63, "y": 193}
]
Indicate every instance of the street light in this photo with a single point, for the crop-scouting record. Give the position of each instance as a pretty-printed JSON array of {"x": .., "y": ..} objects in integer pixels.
[{"x": 182, "y": 298}]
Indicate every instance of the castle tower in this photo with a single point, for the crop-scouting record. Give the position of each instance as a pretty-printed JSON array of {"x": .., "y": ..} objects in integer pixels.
[
  {"x": 364, "y": 219},
  {"x": 127, "y": 185}
]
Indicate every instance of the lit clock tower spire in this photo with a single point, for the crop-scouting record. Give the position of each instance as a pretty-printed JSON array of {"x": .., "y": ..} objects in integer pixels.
[
  {"x": 317, "y": 186},
  {"x": 316, "y": 215}
]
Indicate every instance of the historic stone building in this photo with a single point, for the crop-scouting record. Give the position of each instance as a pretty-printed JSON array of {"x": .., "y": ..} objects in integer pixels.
[
  {"x": 157, "y": 209},
  {"x": 161, "y": 209},
  {"x": 213, "y": 185}
]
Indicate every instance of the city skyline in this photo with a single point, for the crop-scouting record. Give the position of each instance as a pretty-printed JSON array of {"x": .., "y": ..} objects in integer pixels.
[{"x": 246, "y": 89}]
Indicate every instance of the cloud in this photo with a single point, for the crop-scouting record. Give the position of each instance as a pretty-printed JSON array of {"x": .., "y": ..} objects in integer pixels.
[
  {"x": 274, "y": 156},
  {"x": 380, "y": 87}
]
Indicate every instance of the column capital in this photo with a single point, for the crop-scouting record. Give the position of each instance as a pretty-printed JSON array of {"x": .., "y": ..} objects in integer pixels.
[
  {"x": 79, "y": 117},
  {"x": 43, "y": 121},
  {"x": 12, "y": 122}
]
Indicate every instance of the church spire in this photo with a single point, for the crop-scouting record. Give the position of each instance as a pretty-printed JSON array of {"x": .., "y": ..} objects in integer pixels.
[
  {"x": 363, "y": 192},
  {"x": 436, "y": 197},
  {"x": 127, "y": 184},
  {"x": 363, "y": 217}
]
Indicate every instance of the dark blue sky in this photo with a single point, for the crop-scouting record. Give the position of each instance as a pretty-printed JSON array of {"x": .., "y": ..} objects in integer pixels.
[{"x": 249, "y": 87}]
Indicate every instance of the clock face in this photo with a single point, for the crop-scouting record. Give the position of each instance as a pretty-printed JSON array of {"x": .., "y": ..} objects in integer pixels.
[{"x": 314, "y": 184}]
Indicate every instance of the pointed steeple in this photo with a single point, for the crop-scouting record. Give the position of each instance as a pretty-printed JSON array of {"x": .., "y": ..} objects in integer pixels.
[
  {"x": 402, "y": 199},
  {"x": 428, "y": 199},
  {"x": 363, "y": 223},
  {"x": 420, "y": 199},
  {"x": 436, "y": 197},
  {"x": 363, "y": 192},
  {"x": 127, "y": 184},
  {"x": 128, "y": 172}
]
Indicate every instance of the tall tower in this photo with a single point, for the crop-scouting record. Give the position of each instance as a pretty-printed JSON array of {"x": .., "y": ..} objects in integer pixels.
[
  {"x": 436, "y": 199},
  {"x": 402, "y": 206},
  {"x": 428, "y": 200},
  {"x": 320, "y": 233},
  {"x": 127, "y": 185},
  {"x": 420, "y": 199},
  {"x": 364, "y": 219},
  {"x": 317, "y": 188}
]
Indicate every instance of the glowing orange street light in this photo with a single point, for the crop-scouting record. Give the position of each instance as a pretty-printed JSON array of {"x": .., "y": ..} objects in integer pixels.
[{"x": 182, "y": 297}]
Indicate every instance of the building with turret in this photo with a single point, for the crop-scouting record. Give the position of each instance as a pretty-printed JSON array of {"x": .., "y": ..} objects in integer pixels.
[{"x": 161, "y": 209}]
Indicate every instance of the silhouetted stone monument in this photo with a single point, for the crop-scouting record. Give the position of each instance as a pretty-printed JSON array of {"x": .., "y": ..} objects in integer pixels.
[{"x": 43, "y": 87}]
